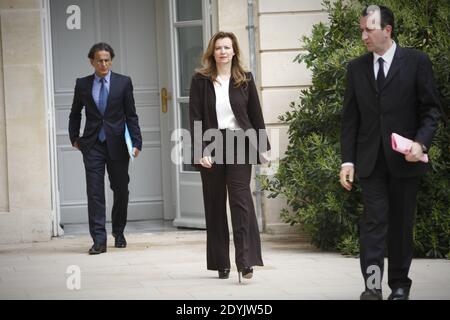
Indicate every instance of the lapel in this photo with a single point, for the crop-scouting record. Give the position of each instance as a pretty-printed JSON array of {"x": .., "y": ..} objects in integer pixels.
[
  {"x": 112, "y": 84},
  {"x": 395, "y": 66},
  {"x": 92, "y": 103},
  {"x": 369, "y": 71},
  {"x": 209, "y": 87}
]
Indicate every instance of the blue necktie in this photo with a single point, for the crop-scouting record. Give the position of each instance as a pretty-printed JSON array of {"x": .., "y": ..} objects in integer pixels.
[{"x": 102, "y": 99}]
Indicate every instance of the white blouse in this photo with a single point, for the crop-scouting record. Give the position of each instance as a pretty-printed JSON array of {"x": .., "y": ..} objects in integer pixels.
[{"x": 225, "y": 115}]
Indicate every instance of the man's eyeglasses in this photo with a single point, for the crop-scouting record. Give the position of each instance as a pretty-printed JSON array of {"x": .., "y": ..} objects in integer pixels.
[{"x": 103, "y": 61}]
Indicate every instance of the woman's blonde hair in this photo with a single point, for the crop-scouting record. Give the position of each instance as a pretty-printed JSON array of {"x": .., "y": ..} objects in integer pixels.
[{"x": 209, "y": 68}]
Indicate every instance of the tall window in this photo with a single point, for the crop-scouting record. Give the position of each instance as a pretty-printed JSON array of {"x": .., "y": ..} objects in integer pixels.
[{"x": 191, "y": 27}]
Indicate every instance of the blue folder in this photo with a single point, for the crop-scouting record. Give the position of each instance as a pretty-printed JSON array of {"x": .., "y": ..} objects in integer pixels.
[{"x": 128, "y": 142}]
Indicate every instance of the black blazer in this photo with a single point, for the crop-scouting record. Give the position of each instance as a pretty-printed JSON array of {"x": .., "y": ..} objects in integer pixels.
[
  {"x": 408, "y": 104},
  {"x": 244, "y": 102},
  {"x": 120, "y": 108}
]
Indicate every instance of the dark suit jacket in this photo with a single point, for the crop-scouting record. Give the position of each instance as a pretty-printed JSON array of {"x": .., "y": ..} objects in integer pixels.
[
  {"x": 120, "y": 108},
  {"x": 244, "y": 102},
  {"x": 408, "y": 104}
]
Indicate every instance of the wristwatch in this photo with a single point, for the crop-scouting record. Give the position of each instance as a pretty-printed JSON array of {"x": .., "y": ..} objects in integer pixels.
[{"x": 424, "y": 149}]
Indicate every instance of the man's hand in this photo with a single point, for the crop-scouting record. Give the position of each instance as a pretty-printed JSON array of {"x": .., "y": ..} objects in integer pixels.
[
  {"x": 76, "y": 145},
  {"x": 206, "y": 162},
  {"x": 415, "y": 153},
  {"x": 135, "y": 152},
  {"x": 346, "y": 177}
]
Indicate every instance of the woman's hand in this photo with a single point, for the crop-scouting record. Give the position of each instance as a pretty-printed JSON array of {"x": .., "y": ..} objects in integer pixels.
[{"x": 206, "y": 162}]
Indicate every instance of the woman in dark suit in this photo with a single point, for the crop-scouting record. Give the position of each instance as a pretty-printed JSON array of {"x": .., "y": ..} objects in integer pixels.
[{"x": 224, "y": 101}]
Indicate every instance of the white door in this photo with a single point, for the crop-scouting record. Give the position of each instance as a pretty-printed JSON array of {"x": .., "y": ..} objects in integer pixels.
[
  {"x": 191, "y": 28},
  {"x": 133, "y": 28}
]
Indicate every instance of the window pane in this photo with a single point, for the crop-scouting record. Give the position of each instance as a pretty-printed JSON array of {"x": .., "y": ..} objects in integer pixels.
[
  {"x": 189, "y": 10},
  {"x": 190, "y": 48},
  {"x": 184, "y": 115}
]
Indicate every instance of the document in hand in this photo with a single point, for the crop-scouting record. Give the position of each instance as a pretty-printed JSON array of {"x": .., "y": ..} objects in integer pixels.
[
  {"x": 128, "y": 142},
  {"x": 403, "y": 145}
]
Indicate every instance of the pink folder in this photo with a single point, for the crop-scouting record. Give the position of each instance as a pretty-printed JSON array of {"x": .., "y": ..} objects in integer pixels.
[{"x": 403, "y": 145}]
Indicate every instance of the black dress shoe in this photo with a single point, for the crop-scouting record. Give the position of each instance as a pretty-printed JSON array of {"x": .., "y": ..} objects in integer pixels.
[
  {"x": 224, "y": 274},
  {"x": 120, "y": 241},
  {"x": 371, "y": 294},
  {"x": 97, "y": 249},
  {"x": 399, "y": 294}
]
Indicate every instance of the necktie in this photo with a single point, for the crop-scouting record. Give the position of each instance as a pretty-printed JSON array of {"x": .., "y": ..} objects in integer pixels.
[
  {"x": 380, "y": 76},
  {"x": 103, "y": 97}
]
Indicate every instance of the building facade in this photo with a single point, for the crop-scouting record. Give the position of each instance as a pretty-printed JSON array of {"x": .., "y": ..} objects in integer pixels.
[{"x": 44, "y": 45}]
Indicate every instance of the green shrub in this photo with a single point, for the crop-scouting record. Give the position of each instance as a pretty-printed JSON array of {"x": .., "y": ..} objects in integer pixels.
[{"x": 308, "y": 174}]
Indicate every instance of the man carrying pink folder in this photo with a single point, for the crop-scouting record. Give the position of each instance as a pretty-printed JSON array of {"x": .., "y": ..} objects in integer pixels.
[
  {"x": 404, "y": 145},
  {"x": 390, "y": 115}
]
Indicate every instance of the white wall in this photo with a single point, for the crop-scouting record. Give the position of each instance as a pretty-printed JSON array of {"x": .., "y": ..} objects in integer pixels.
[{"x": 4, "y": 205}]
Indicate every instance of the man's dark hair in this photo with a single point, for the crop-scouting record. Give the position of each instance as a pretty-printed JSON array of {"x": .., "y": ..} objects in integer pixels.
[
  {"x": 100, "y": 47},
  {"x": 387, "y": 17}
]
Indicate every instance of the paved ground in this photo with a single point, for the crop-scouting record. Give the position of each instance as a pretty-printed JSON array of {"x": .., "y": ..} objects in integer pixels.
[{"x": 167, "y": 263}]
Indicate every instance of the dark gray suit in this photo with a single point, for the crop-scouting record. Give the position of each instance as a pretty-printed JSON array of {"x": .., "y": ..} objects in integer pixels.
[{"x": 120, "y": 109}]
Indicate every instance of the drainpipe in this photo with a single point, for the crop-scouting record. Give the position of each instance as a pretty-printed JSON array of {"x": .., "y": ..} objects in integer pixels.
[{"x": 252, "y": 49}]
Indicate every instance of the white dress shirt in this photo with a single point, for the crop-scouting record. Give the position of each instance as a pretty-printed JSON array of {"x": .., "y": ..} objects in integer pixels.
[
  {"x": 225, "y": 115},
  {"x": 388, "y": 56},
  {"x": 97, "y": 86}
]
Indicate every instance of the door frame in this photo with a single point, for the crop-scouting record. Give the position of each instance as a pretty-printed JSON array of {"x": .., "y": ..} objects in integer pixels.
[
  {"x": 165, "y": 78},
  {"x": 51, "y": 119},
  {"x": 163, "y": 36}
]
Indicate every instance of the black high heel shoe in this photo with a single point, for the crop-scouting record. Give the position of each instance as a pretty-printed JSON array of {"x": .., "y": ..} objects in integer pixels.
[
  {"x": 224, "y": 274},
  {"x": 247, "y": 273}
]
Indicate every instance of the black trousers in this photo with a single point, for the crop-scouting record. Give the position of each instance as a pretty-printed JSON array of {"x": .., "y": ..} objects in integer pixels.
[
  {"x": 389, "y": 210},
  {"x": 233, "y": 179},
  {"x": 95, "y": 161}
]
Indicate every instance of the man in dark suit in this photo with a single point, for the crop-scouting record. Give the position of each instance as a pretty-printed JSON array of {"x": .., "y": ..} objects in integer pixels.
[
  {"x": 109, "y": 104},
  {"x": 389, "y": 90}
]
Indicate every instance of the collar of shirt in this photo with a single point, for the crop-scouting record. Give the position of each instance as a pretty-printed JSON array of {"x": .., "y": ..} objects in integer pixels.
[
  {"x": 388, "y": 56},
  {"x": 107, "y": 77}
]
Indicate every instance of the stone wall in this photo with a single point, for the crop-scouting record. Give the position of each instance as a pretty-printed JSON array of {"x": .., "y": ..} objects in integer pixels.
[
  {"x": 25, "y": 194},
  {"x": 282, "y": 24}
]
